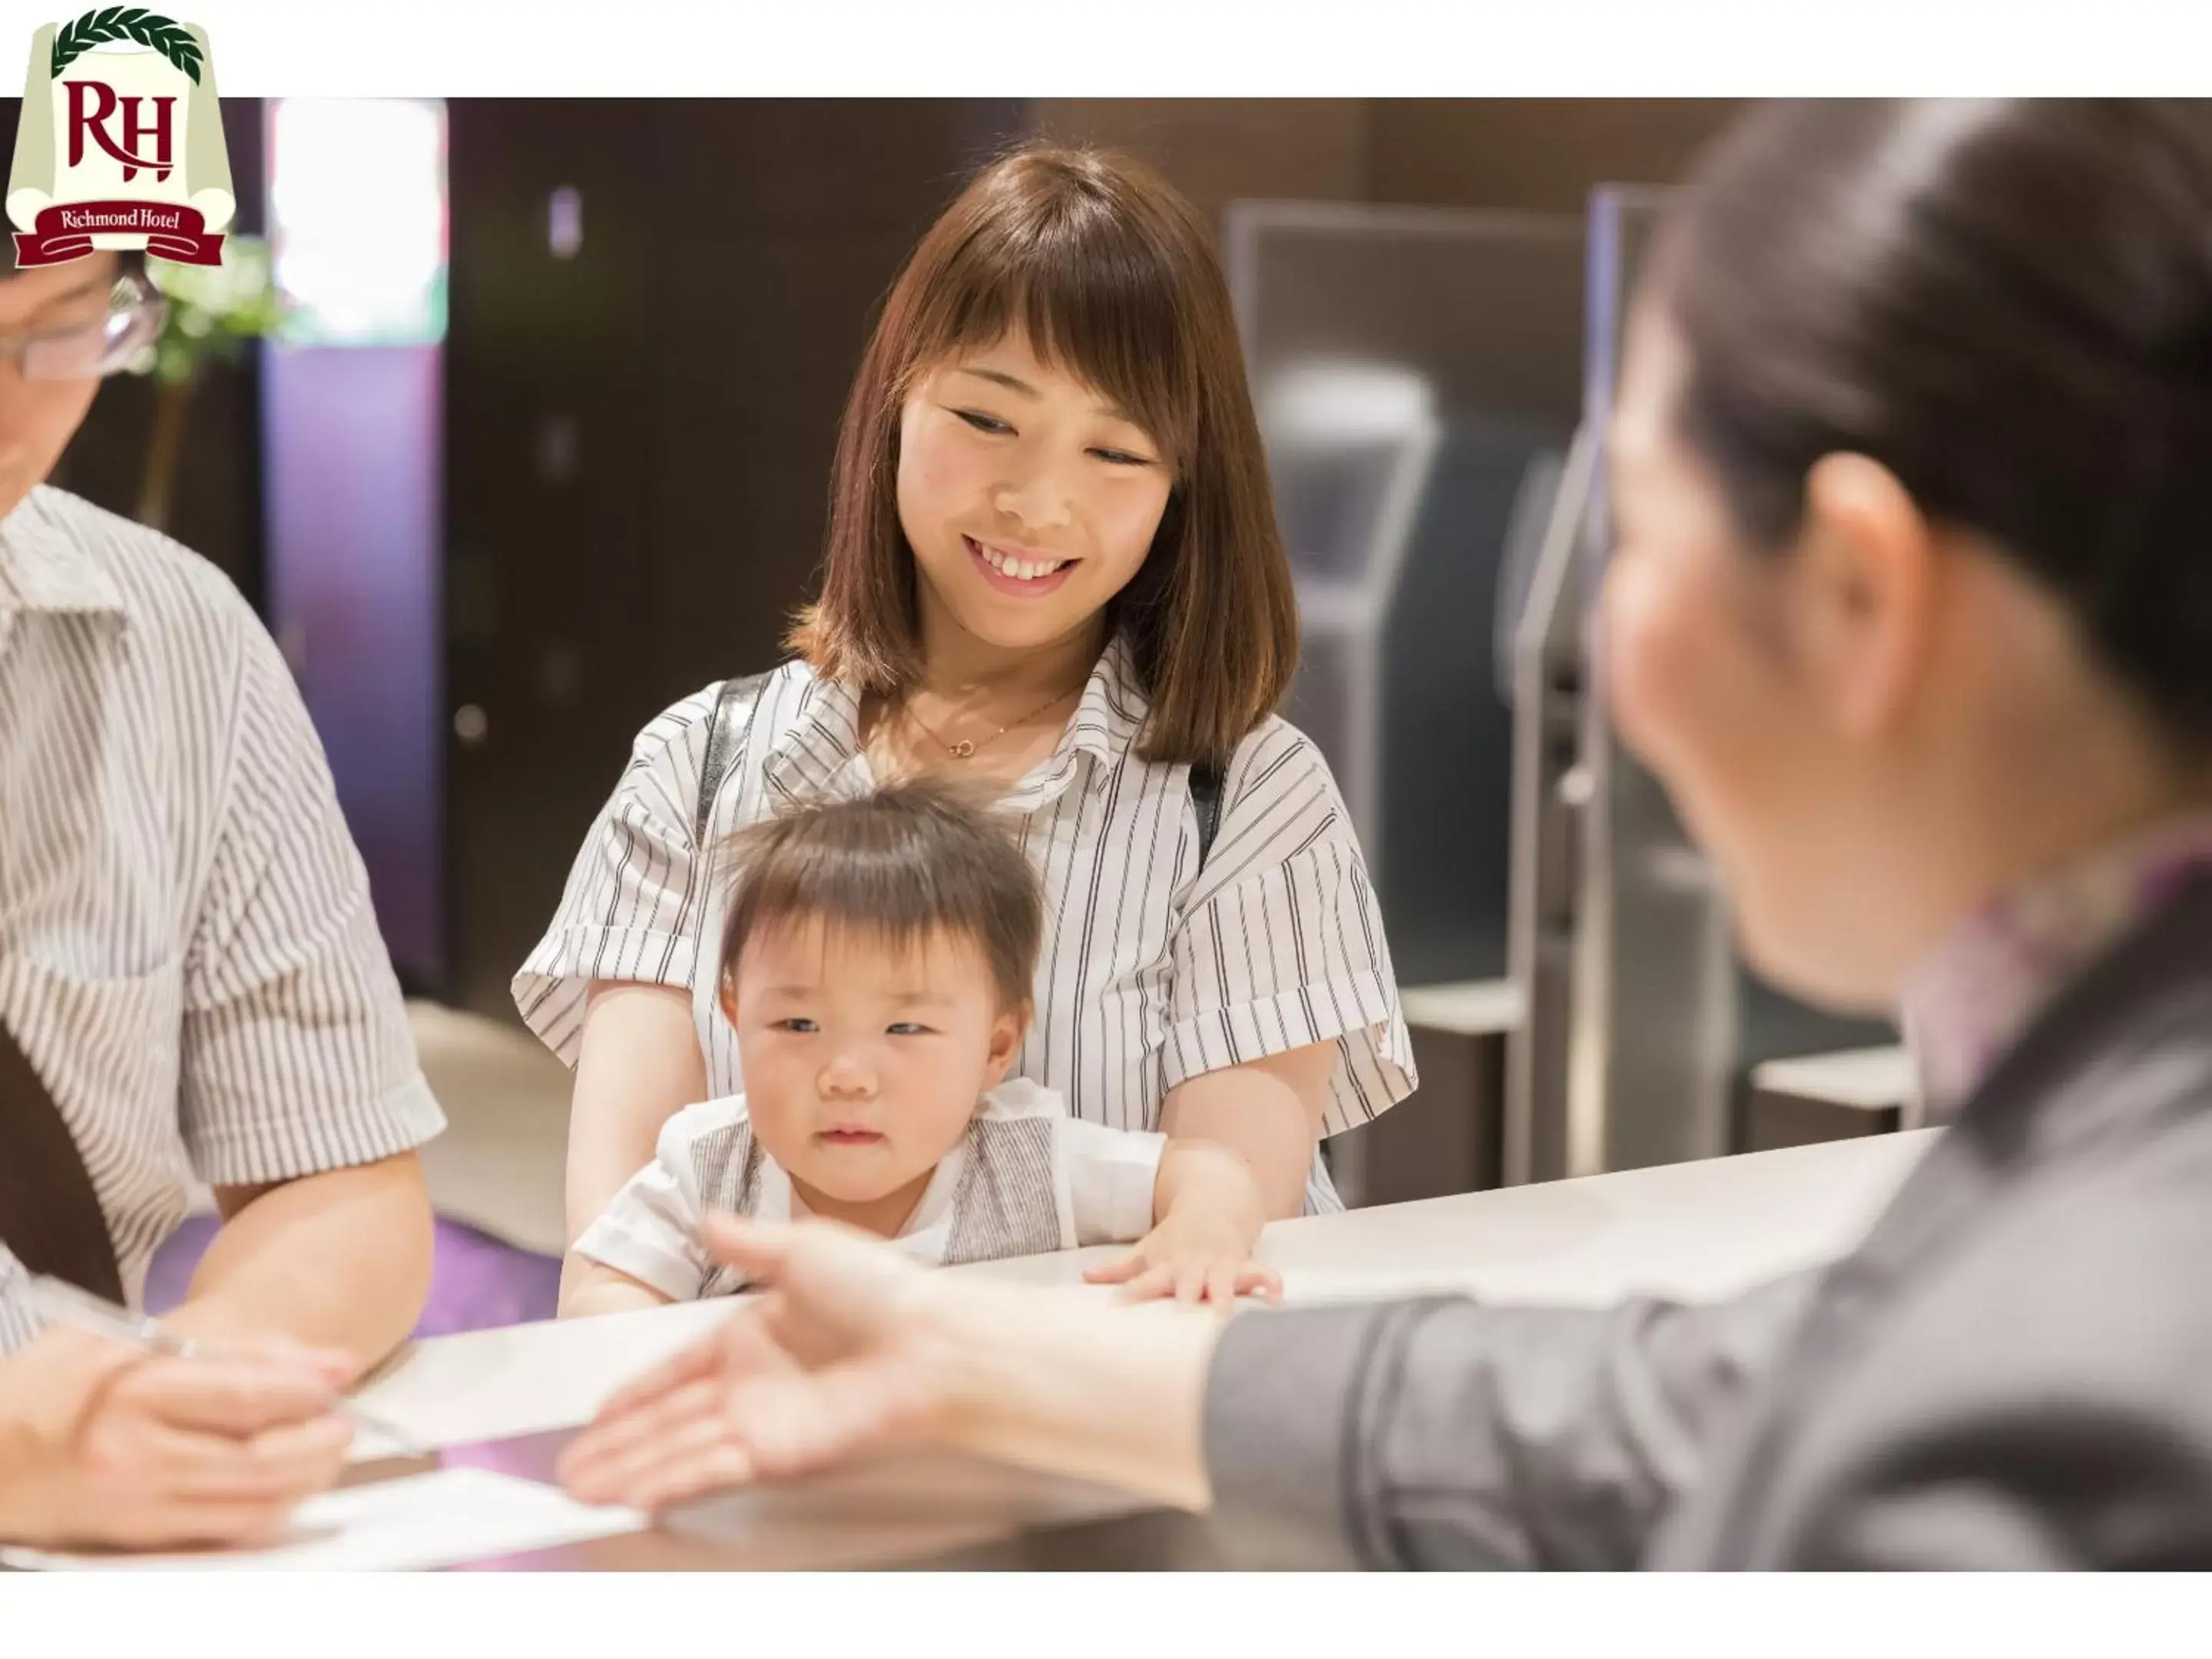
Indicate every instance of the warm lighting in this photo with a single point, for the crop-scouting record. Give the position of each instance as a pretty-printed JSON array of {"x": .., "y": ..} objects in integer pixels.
[{"x": 357, "y": 217}]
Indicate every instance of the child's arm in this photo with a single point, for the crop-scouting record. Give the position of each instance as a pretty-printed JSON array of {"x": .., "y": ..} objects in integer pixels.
[
  {"x": 646, "y": 1250},
  {"x": 589, "y": 1288}
]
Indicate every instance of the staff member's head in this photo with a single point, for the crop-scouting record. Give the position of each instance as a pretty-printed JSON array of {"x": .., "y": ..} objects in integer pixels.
[
  {"x": 62, "y": 328},
  {"x": 1912, "y": 475}
]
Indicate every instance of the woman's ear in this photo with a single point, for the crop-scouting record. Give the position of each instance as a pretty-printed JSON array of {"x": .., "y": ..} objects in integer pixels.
[
  {"x": 1866, "y": 583},
  {"x": 1006, "y": 1033}
]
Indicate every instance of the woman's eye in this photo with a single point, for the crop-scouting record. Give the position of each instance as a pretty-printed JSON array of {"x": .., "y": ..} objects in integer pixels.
[
  {"x": 1121, "y": 458},
  {"x": 800, "y": 1026},
  {"x": 982, "y": 423}
]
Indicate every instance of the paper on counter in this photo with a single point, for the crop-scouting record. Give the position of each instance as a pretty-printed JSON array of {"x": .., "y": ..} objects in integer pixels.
[
  {"x": 524, "y": 1379},
  {"x": 418, "y": 1520}
]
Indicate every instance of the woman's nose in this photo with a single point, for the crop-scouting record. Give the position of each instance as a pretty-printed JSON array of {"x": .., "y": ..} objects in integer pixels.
[{"x": 1041, "y": 500}]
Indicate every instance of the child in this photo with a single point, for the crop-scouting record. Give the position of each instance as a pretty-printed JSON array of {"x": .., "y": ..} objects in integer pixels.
[{"x": 876, "y": 965}]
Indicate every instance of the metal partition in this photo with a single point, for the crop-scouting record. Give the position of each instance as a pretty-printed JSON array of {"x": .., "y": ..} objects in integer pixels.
[
  {"x": 1639, "y": 1021},
  {"x": 1627, "y": 1055}
]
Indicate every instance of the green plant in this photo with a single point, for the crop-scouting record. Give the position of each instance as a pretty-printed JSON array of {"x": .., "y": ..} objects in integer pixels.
[{"x": 214, "y": 313}]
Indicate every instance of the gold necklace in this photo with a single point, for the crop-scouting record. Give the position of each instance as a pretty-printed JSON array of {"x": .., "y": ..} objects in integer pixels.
[{"x": 966, "y": 748}]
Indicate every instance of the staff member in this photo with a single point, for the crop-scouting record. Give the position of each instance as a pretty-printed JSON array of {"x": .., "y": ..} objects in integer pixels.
[
  {"x": 1052, "y": 562},
  {"x": 190, "y": 984},
  {"x": 1911, "y": 608}
]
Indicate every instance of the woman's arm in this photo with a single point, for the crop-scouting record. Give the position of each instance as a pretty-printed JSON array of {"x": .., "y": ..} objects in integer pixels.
[
  {"x": 1267, "y": 1111},
  {"x": 639, "y": 1065},
  {"x": 340, "y": 1261}
]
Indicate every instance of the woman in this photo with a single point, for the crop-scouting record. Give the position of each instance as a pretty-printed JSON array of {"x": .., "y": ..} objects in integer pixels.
[
  {"x": 1052, "y": 562},
  {"x": 1912, "y": 609}
]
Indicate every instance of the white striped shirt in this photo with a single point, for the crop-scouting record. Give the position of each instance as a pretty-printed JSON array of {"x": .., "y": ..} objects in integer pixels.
[
  {"x": 1152, "y": 971},
  {"x": 188, "y": 956}
]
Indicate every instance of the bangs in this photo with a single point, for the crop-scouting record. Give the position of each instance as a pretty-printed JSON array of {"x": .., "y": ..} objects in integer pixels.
[
  {"x": 1091, "y": 284},
  {"x": 895, "y": 871}
]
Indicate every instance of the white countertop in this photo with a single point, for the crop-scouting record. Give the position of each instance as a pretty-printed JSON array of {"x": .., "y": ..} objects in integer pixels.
[
  {"x": 1697, "y": 1229},
  {"x": 1871, "y": 1078},
  {"x": 1473, "y": 1008}
]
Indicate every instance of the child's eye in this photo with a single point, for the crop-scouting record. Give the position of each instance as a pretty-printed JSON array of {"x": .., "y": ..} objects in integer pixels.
[
  {"x": 982, "y": 423},
  {"x": 908, "y": 1028},
  {"x": 796, "y": 1024}
]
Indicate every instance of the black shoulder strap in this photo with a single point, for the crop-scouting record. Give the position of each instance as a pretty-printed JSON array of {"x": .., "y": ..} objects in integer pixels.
[
  {"x": 50, "y": 1216},
  {"x": 1205, "y": 786},
  {"x": 723, "y": 739}
]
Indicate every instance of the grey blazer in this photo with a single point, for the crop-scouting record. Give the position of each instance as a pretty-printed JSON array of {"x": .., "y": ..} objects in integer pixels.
[{"x": 2014, "y": 1370}]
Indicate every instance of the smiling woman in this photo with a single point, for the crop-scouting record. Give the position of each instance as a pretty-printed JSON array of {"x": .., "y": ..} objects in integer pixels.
[{"x": 1052, "y": 566}]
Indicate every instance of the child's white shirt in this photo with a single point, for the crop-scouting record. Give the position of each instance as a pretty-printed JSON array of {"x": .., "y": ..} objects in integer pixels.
[{"x": 1027, "y": 1177}]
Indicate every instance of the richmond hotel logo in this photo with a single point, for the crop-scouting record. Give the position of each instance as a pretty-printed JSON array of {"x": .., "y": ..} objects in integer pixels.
[{"x": 120, "y": 145}]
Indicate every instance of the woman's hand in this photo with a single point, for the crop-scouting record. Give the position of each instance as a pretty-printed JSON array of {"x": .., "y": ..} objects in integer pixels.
[
  {"x": 102, "y": 1445},
  {"x": 1209, "y": 1214},
  {"x": 834, "y": 1358},
  {"x": 1193, "y": 1259}
]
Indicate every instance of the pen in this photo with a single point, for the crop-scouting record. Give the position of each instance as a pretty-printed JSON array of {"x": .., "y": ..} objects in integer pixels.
[{"x": 58, "y": 1300}]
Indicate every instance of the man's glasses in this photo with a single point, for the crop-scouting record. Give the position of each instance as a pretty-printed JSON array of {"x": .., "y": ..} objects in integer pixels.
[{"x": 101, "y": 346}]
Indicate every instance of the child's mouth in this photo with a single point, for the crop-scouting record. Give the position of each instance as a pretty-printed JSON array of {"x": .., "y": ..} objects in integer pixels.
[{"x": 849, "y": 1137}]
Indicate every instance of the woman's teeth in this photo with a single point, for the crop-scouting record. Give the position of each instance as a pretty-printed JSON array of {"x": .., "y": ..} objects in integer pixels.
[{"x": 1021, "y": 569}]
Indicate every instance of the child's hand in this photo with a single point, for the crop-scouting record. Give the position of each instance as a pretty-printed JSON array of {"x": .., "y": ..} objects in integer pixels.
[{"x": 1191, "y": 1258}]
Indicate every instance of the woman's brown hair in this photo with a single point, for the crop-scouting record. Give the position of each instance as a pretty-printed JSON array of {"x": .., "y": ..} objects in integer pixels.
[{"x": 1113, "y": 277}]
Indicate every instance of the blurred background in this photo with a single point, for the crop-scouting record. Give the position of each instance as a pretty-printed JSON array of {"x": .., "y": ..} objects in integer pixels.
[{"x": 541, "y": 443}]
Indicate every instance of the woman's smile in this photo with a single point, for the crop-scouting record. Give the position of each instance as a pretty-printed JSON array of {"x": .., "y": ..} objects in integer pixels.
[{"x": 1018, "y": 570}]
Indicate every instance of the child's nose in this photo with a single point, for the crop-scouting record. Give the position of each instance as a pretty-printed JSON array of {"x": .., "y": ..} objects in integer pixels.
[{"x": 848, "y": 1078}]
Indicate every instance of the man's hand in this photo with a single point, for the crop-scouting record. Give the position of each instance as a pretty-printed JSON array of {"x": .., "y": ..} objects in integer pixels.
[
  {"x": 102, "y": 1445},
  {"x": 834, "y": 1357}
]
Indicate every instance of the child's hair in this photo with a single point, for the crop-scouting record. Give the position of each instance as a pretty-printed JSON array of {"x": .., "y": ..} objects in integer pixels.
[
  {"x": 1113, "y": 277},
  {"x": 900, "y": 864}
]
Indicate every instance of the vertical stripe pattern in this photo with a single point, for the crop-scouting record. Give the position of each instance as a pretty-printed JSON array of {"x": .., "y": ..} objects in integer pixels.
[
  {"x": 188, "y": 956},
  {"x": 1152, "y": 971}
]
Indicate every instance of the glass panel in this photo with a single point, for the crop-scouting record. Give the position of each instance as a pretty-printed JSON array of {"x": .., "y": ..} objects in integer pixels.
[{"x": 1418, "y": 374}]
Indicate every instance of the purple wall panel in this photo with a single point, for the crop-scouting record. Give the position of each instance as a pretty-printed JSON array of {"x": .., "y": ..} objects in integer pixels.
[{"x": 351, "y": 445}]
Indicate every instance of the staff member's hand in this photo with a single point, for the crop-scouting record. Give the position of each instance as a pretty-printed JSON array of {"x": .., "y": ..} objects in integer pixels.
[
  {"x": 833, "y": 1360},
  {"x": 102, "y": 1445}
]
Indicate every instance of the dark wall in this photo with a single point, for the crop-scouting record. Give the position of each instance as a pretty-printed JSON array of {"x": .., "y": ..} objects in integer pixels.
[{"x": 640, "y": 436}]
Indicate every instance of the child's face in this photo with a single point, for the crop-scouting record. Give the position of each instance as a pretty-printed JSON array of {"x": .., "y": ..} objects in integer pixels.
[
  {"x": 863, "y": 1065},
  {"x": 1029, "y": 501}
]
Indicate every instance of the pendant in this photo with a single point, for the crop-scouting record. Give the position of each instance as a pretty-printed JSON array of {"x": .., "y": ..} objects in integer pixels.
[{"x": 963, "y": 749}]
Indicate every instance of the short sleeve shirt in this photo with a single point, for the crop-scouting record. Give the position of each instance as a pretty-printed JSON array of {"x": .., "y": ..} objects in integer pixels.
[
  {"x": 1153, "y": 971},
  {"x": 1039, "y": 1179},
  {"x": 188, "y": 956}
]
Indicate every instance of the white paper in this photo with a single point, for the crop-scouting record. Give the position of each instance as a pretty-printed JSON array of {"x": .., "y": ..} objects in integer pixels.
[
  {"x": 417, "y": 1521},
  {"x": 524, "y": 1379}
]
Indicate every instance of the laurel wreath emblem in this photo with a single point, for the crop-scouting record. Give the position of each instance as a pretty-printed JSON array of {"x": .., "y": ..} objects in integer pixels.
[{"x": 164, "y": 34}]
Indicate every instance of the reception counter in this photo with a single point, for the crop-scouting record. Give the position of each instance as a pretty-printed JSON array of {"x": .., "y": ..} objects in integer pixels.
[{"x": 507, "y": 1398}]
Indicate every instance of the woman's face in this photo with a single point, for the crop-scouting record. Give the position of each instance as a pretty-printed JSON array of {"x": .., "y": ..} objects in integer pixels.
[
  {"x": 1028, "y": 499},
  {"x": 1727, "y": 674}
]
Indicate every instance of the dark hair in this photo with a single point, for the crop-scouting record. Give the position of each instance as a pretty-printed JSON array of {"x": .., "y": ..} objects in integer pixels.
[
  {"x": 2008, "y": 305},
  {"x": 899, "y": 865},
  {"x": 1112, "y": 275}
]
